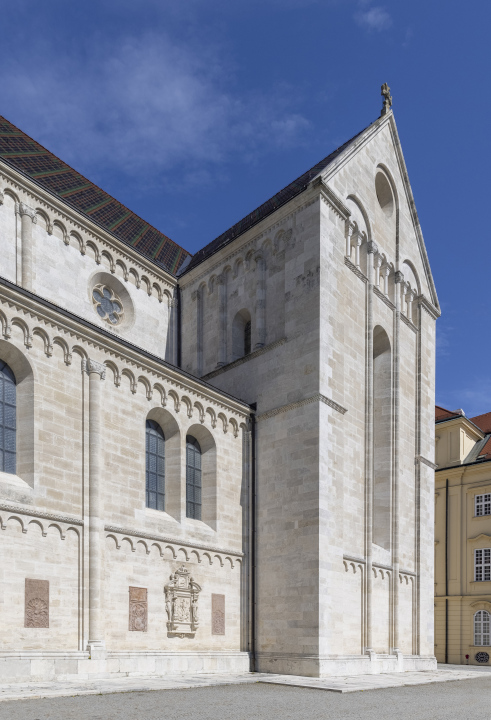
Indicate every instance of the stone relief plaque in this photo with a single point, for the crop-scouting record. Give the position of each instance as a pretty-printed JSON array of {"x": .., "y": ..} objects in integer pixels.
[
  {"x": 36, "y": 614},
  {"x": 181, "y": 603},
  {"x": 218, "y": 614},
  {"x": 138, "y": 617}
]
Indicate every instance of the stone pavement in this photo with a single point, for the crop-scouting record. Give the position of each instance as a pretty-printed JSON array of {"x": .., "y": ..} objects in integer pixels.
[{"x": 444, "y": 673}]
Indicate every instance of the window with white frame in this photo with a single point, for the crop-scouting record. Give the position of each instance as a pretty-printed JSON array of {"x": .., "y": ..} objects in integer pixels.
[
  {"x": 483, "y": 504},
  {"x": 482, "y": 564},
  {"x": 481, "y": 628}
]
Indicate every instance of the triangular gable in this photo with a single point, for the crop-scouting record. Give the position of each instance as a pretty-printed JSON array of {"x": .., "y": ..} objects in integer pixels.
[{"x": 352, "y": 148}]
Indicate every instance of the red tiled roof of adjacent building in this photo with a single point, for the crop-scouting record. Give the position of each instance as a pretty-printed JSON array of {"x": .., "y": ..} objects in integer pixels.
[
  {"x": 29, "y": 157},
  {"x": 483, "y": 422},
  {"x": 442, "y": 413}
]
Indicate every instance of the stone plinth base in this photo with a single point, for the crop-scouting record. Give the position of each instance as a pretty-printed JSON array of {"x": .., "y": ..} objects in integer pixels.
[
  {"x": 332, "y": 666},
  {"x": 39, "y": 666}
]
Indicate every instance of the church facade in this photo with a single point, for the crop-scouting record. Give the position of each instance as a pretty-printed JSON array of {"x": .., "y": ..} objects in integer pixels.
[{"x": 217, "y": 462}]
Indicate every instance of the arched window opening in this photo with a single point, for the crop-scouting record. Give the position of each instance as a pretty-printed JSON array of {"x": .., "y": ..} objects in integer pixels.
[
  {"x": 247, "y": 338},
  {"x": 382, "y": 437},
  {"x": 481, "y": 628},
  {"x": 241, "y": 334},
  {"x": 8, "y": 403},
  {"x": 155, "y": 466},
  {"x": 193, "y": 478}
]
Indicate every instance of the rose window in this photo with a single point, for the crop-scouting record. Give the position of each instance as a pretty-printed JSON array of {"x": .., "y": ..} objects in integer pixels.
[
  {"x": 482, "y": 657},
  {"x": 107, "y": 304}
]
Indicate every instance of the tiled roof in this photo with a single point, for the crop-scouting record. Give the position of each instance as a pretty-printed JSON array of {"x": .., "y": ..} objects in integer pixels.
[
  {"x": 267, "y": 208},
  {"x": 442, "y": 413},
  {"x": 483, "y": 422},
  {"x": 22, "y": 153}
]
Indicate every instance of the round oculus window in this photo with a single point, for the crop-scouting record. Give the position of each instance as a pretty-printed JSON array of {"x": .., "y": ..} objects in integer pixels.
[
  {"x": 482, "y": 657},
  {"x": 107, "y": 304}
]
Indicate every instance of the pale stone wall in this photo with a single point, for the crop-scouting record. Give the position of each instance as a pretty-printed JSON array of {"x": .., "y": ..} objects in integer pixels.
[
  {"x": 69, "y": 256},
  {"x": 313, "y": 459},
  {"x": 45, "y": 517}
]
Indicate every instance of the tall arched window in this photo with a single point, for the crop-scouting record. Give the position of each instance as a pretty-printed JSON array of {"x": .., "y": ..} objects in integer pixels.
[
  {"x": 7, "y": 418},
  {"x": 155, "y": 466},
  {"x": 241, "y": 334},
  {"x": 382, "y": 437},
  {"x": 481, "y": 628},
  {"x": 193, "y": 478}
]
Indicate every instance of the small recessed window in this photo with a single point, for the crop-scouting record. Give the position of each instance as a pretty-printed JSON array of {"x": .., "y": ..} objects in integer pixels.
[
  {"x": 384, "y": 194},
  {"x": 483, "y": 504},
  {"x": 482, "y": 565}
]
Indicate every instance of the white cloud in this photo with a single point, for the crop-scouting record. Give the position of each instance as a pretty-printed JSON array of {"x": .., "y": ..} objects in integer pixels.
[
  {"x": 144, "y": 103},
  {"x": 374, "y": 19}
]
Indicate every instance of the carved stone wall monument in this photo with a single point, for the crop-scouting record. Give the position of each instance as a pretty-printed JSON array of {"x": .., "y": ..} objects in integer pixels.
[
  {"x": 181, "y": 603},
  {"x": 138, "y": 611},
  {"x": 36, "y": 604},
  {"x": 218, "y": 614}
]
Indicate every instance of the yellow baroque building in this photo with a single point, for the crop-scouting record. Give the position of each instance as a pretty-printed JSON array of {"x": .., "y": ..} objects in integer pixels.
[{"x": 462, "y": 537}]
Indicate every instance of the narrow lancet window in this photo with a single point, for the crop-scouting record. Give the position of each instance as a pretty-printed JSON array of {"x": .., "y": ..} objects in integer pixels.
[
  {"x": 382, "y": 437},
  {"x": 193, "y": 478}
]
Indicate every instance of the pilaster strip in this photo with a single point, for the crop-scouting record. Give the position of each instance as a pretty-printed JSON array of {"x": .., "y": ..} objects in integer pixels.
[
  {"x": 318, "y": 397},
  {"x": 174, "y": 541}
]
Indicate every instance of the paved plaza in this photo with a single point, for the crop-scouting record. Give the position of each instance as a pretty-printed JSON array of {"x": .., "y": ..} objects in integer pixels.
[
  {"x": 450, "y": 692},
  {"x": 463, "y": 700}
]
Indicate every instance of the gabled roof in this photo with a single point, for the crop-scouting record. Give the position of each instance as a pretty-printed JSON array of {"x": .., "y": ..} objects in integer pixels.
[
  {"x": 442, "y": 413},
  {"x": 269, "y": 207},
  {"x": 29, "y": 157}
]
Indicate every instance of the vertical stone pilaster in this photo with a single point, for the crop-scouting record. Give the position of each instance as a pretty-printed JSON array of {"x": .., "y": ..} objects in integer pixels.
[
  {"x": 260, "y": 303},
  {"x": 399, "y": 283},
  {"x": 222, "y": 320},
  {"x": 96, "y": 644},
  {"x": 371, "y": 249},
  {"x": 27, "y": 219}
]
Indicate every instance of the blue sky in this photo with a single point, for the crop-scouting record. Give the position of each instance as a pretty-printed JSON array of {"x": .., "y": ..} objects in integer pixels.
[{"x": 193, "y": 113}]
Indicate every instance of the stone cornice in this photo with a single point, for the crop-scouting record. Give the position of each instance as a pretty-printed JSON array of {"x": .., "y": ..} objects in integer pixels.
[
  {"x": 425, "y": 461},
  {"x": 83, "y": 224},
  {"x": 355, "y": 270},
  {"x": 242, "y": 360},
  {"x": 318, "y": 397},
  {"x": 408, "y": 322},
  {"x": 432, "y": 311},
  {"x": 173, "y": 541},
  {"x": 383, "y": 297},
  {"x": 68, "y": 323},
  {"x": 33, "y": 512}
]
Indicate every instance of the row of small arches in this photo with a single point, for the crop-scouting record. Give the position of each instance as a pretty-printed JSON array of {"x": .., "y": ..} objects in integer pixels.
[
  {"x": 353, "y": 567},
  {"x": 102, "y": 257},
  {"x": 150, "y": 387},
  {"x": 25, "y": 525},
  {"x": 243, "y": 262},
  {"x": 181, "y": 554}
]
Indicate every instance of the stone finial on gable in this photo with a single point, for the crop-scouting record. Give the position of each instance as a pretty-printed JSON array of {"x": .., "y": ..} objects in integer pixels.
[{"x": 385, "y": 92}]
